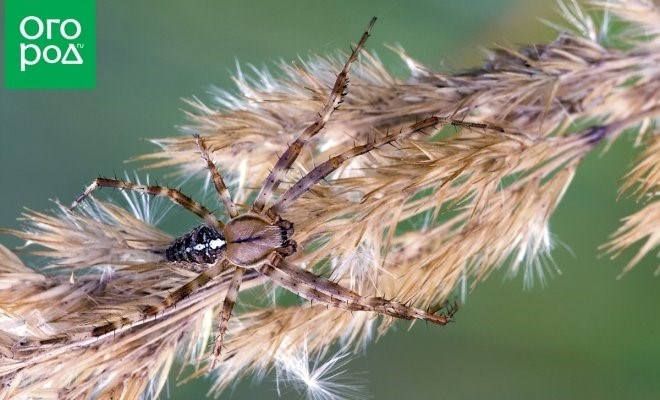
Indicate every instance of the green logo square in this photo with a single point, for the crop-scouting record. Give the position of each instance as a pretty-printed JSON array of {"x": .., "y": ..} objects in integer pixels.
[{"x": 50, "y": 44}]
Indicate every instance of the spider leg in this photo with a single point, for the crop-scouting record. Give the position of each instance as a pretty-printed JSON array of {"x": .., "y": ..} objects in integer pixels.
[
  {"x": 227, "y": 307},
  {"x": 316, "y": 288},
  {"x": 218, "y": 182},
  {"x": 173, "y": 194},
  {"x": 326, "y": 168},
  {"x": 150, "y": 310},
  {"x": 287, "y": 159}
]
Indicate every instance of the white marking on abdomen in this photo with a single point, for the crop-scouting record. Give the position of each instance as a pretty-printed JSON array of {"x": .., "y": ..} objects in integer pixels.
[{"x": 216, "y": 243}]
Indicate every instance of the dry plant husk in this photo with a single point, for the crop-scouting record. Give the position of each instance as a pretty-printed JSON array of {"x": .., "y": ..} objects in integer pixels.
[{"x": 411, "y": 221}]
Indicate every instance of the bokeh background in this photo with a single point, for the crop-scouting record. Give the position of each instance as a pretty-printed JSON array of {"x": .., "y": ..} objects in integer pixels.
[{"x": 584, "y": 335}]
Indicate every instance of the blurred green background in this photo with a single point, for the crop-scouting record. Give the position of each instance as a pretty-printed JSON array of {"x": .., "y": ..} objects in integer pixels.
[{"x": 585, "y": 335}]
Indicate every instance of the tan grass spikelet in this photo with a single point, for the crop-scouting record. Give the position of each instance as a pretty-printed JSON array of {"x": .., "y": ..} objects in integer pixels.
[
  {"x": 412, "y": 221},
  {"x": 643, "y": 181},
  {"x": 88, "y": 241},
  {"x": 642, "y": 226}
]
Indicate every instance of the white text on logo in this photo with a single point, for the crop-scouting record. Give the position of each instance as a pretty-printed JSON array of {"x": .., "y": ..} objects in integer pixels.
[{"x": 33, "y": 28}]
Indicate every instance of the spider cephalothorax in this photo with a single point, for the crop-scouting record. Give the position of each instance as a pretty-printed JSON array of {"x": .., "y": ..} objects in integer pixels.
[{"x": 259, "y": 239}]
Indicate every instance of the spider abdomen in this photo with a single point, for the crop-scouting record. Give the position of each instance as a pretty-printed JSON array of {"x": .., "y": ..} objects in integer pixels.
[{"x": 203, "y": 244}]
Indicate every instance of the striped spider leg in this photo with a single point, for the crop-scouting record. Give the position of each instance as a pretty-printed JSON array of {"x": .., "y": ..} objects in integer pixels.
[{"x": 259, "y": 239}]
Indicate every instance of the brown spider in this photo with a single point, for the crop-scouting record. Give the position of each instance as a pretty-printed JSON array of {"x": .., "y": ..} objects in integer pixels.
[{"x": 259, "y": 238}]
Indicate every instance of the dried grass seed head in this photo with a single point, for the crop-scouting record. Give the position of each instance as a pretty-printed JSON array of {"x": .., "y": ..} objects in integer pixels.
[{"x": 477, "y": 190}]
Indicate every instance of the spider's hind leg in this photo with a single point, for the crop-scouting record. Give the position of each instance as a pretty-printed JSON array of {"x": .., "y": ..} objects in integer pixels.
[
  {"x": 173, "y": 194},
  {"x": 153, "y": 308}
]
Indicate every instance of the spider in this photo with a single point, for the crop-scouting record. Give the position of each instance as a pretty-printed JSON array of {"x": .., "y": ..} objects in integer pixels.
[{"x": 259, "y": 239}]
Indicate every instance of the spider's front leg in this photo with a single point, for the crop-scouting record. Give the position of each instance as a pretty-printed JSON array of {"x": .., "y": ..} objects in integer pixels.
[
  {"x": 290, "y": 155},
  {"x": 315, "y": 288},
  {"x": 326, "y": 168}
]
